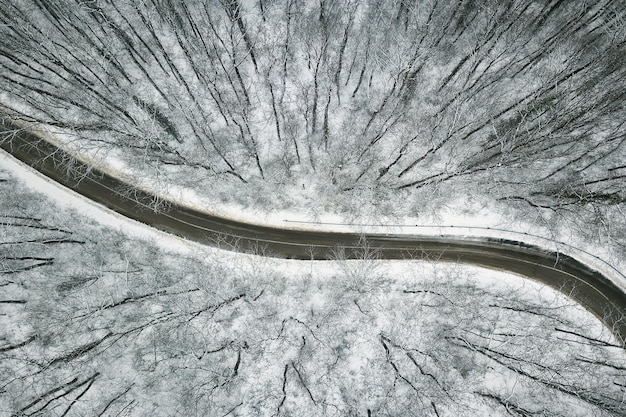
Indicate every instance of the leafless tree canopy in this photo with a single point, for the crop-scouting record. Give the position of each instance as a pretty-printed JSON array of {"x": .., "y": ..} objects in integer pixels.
[
  {"x": 522, "y": 100},
  {"x": 523, "y": 97},
  {"x": 100, "y": 323}
]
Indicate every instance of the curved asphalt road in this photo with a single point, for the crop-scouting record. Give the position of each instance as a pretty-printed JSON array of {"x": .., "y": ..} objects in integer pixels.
[{"x": 588, "y": 287}]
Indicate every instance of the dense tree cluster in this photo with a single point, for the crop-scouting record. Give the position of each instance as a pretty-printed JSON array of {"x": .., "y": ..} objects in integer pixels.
[
  {"x": 100, "y": 323},
  {"x": 523, "y": 98}
]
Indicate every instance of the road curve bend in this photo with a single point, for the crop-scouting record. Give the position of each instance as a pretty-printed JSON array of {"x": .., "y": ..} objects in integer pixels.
[{"x": 593, "y": 290}]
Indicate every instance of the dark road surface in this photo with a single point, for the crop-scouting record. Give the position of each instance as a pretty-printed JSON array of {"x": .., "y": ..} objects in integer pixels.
[{"x": 566, "y": 274}]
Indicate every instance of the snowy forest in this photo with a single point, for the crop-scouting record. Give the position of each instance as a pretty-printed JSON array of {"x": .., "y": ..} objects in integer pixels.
[
  {"x": 391, "y": 104},
  {"x": 390, "y": 107},
  {"x": 97, "y": 321}
]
